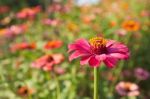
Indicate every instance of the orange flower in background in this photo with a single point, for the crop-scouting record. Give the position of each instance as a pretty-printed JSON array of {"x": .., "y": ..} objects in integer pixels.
[
  {"x": 25, "y": 91},
  {"x": 22, "y": 46},
  {"x": 125, "y": 5},
  {"x": 6, "y": 20},
  {"x": 131, "y": 25},
  {"x": 47, "y": 62},
  {"x": 72, "y": 27},
  {"x": 53, "y": 44},
  {"x": 88, "y": 19},
  {"x": 3, "y": 31},
  {"x": 112, "y": 23},
  {"x": 85, "y": 9}
]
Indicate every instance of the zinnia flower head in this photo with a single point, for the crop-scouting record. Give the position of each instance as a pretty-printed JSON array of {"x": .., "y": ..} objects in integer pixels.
[
  {"x": 22, "y": 46},
  {"x": 53, "y": 44},
  {"x": 127, "y": 89},
  {"x": 47, "y": 62},
  {"x": 98, "y": 50},
  {"x": 25, "y": 91},
  {"x": 141, "y": 74},
  {"x": 131, "y": 25},
  {"x": 13, "y": 30},
  {"x": 28, "y": 12}
]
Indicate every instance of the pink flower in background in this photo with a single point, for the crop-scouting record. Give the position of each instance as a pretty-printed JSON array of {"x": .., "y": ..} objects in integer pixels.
[
  {"x": 141, "y": 74},
  {"x": 98, "y": 50},
  {"x": 127, "y": 73},
  {"x": 57, "y": 7},
  {"x": 52, "y": 22},
  {"x": 127, "y": 89},
  {"x": 145, "y": 13},
  {"x": 47, "y": 62},
  {"x": 28, "y": 12},
  {"x": 13, "y": 30},
  {"x": 59, "y": 70},
  {"x": 121, "y": 32},
  {"x": 18, "y": 29}
]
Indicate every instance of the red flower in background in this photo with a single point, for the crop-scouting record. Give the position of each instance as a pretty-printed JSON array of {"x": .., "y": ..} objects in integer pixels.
[
  {"x": 28, "y": 12},
  {"x": 22, "y": 46},
  {"x": 47, "y": 62},
  {"x": 98, "y": 50},
  {"x": 53, "y": 44},
  {"x": 4, "y": 9}
]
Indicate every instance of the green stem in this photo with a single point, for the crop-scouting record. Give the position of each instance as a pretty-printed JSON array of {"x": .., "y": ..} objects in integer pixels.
[
  {"x": 96, "y": 83},
  {"x": 57, "y": 88}
]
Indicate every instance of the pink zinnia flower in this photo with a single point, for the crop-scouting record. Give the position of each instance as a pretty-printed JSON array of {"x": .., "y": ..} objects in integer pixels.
[
  {"x": 127, "y": 89},
  {"x": 14, "y": 30},
  {"x": 141, "y": 73},
  {"x": 28, "y": 12},
  {"x": 52, "y": 22},
  {"x": 98, "y": 50},
  {"x": 47, "y": 62}
]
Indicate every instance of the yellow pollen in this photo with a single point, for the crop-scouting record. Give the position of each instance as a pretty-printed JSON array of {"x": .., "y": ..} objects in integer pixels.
[{"x": 97, "y": 42}]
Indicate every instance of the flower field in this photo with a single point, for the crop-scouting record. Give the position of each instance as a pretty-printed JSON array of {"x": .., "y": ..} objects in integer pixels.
[{"x": 57, "y": 49}]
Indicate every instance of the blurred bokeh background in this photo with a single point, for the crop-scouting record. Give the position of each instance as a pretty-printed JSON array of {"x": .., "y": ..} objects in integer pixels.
[{"x": 34, "y": 35}]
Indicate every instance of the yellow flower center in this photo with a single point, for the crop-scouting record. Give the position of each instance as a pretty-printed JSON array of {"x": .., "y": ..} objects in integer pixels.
[{"x": 97, "y": 42}]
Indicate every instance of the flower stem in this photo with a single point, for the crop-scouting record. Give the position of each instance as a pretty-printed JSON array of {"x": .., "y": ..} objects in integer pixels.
[
  {"x": 96, "y": 84},
  {"x": 57, "y": 88}
]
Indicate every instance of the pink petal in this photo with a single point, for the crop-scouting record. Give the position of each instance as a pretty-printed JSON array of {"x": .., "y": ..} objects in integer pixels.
[
  {"x": 110, "y": 61},
  {"x": 110, "y": 43},
  {"x": 117, "y": 48},
  {"x": 76, "y": 54},
  {"x": 48, "y": 66},
  {"x": 120, "y": 55},
  {"x": 84, "y": 60},
  {"x": 80, "y": 44},
  {"x": 93, "y": 62},
  {"x": 101, "y": 57}
]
